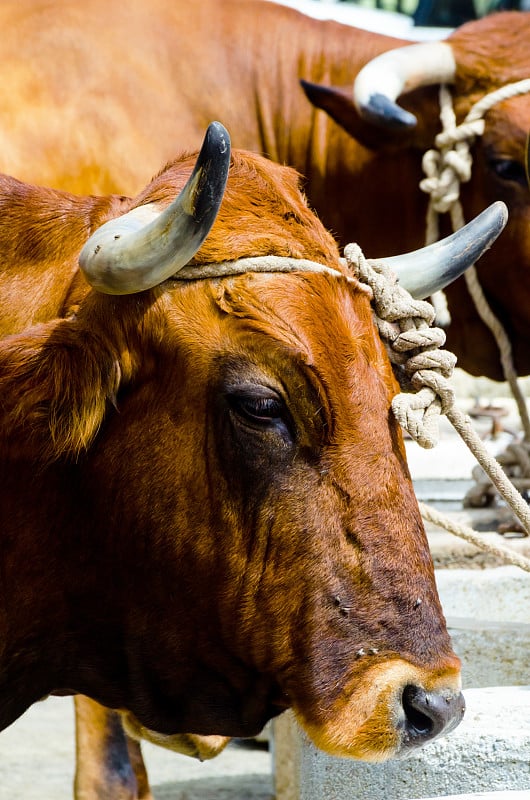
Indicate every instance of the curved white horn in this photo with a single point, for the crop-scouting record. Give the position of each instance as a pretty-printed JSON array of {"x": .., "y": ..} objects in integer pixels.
[
  {"x": 146, "y": 246},
  {"x": 431, "y": 268},
  {"x": 386, "y": 77}
]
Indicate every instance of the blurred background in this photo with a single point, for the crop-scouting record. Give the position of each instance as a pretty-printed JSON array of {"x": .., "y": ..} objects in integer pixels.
[
  {"x": 444, "y": 13},
  {"x": 412, "y": 19}
]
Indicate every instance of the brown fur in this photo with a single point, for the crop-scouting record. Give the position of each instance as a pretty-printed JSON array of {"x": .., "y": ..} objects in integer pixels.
[
  {"x": 269, "y": 551},
  {"x": 81, "y": 111}
]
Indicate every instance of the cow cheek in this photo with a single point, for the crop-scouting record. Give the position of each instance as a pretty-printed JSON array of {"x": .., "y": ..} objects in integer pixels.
[{"x": 362, "y": 726}]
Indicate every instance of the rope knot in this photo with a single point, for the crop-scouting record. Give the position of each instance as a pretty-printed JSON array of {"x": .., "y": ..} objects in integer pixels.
[
  {"x": 466, "y": 133},
  {"x": 445, "y": 171},
  {"x": 404, "y": 326}
]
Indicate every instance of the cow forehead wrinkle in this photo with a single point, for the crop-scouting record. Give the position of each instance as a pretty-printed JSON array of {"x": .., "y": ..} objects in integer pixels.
[{"x": 330, "y": 328}]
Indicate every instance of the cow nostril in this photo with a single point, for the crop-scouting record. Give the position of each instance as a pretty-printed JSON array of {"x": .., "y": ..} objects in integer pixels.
[
  {"x": 427, "y": 714},
  {"x": 415, "y": 715}
]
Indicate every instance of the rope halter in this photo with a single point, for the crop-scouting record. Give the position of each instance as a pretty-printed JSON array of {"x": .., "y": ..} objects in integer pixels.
[{"x": 449, "y": 163}]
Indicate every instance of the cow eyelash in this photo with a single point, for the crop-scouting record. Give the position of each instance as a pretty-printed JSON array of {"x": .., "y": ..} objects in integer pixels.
[{"x": 262, "y": 410}]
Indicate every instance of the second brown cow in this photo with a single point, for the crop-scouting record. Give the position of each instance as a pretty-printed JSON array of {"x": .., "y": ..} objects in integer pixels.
[{"x": 94, "y": 96}]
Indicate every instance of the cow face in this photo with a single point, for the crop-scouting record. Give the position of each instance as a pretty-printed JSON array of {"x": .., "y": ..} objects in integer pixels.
[
  {"x": 261, "y": 480},
  {"x": 223, "y": 524}
]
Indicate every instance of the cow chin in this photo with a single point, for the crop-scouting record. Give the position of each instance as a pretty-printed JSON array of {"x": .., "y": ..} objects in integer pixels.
[
  {"x": 368, "y": 722},
  {"x": 189, "y": 744}
]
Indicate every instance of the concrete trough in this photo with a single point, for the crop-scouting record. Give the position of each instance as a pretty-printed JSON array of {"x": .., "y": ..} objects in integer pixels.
[
  {"x": 489, "y": 620},
  {"x": 489, "y": 751},
  {"x": 488, "y": 615}
]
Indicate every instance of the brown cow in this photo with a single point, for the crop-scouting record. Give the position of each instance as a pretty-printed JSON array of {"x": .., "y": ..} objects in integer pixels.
[
  {"x": 206, "y": 513},
  {"x": 95, "y": 94}
]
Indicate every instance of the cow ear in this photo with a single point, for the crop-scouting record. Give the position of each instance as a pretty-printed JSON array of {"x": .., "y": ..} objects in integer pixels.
[
  {"x": 56, "y": 384},
  {"x": 339, "y": 105}
]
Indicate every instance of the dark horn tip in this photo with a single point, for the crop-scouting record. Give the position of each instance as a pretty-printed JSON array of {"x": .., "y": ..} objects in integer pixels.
[
  {"x": 382, "y": 111},
  {"x": 501, "y": 209},
  {"x": 218, "y": 136},
  {"x": 213, "y": 163}
]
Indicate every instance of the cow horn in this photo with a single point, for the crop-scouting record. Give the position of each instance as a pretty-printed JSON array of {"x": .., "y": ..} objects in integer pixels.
[
  {"x": 391, "y": 74},
  {"x": 146, "y": 246},
  {"x": 431, "y": 268}
]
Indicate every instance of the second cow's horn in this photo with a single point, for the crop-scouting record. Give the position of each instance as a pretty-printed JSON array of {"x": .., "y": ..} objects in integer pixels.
[
  {"x": 146, "y": 246},
  {"x": 387, "y": 76}
]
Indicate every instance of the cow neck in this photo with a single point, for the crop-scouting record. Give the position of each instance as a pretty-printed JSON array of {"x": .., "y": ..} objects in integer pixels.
[{"x": 290, "y": 129}]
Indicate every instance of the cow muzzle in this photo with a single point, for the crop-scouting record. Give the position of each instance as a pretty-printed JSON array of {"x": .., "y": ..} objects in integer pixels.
[
  {"x": 427, "y": 715},
  {"x": 392, "y": 709}
]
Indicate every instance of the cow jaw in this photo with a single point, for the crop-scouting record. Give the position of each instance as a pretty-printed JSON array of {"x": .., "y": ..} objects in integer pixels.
[{"x": 369, "y": 721}]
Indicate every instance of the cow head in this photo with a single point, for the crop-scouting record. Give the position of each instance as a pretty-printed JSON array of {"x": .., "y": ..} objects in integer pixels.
[
  {"x": 474, "y": 62},
  {"x": 244, "y": 518}
]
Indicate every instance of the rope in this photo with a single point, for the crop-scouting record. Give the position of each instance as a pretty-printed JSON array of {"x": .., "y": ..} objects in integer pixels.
[
  {"x": 464, "y": 426},
  {"x": 465, "y": 532},
  {"x": 446, "y": 168},
  {"x": 413, "y": 348},
  {"x": 404, "y": 324},
  {"x": 194, "y": 272}
]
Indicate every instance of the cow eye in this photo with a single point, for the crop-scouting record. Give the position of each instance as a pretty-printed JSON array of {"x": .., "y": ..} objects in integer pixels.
[
  {"x": 509, "y": 170},
  {"x": 262, "y": 410}
]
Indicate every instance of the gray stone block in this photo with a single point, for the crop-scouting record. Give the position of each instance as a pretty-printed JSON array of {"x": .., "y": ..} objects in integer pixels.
[
  {"x": 489, "y": 751},
  {"x": 483, "y": 796},
  {"x": 488, "y": 615},
  {"x": 501, "y": 594}
]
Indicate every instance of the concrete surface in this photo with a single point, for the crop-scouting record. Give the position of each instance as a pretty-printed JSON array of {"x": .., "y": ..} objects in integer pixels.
[
  {"x": 37, "y": 763},
  {"x": 483, "y": 796},
  {"x": 501, "y": 594},
  {"x": 488, "y": 615},
  {"x": 490, "y": 750}
]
